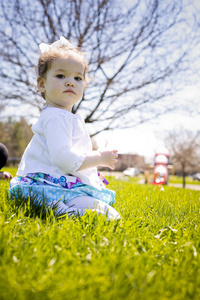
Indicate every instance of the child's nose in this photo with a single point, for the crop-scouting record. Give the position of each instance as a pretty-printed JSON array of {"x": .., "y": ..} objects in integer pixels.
[{"x": 70, "y": 82}]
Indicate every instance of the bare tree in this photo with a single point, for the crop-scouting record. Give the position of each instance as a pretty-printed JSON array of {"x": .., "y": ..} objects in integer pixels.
[
  {"x": 184, "y": 147},
  {"x": 135, "y": 54}
]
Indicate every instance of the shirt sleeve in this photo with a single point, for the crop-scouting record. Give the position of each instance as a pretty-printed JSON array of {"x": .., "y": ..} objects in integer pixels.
[{"x": 58, "y": 134}]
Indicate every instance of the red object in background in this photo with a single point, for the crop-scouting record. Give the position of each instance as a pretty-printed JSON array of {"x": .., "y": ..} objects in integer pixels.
[
  {"x": 160, "y": 174},
  {"x": 160, "y": 169}
]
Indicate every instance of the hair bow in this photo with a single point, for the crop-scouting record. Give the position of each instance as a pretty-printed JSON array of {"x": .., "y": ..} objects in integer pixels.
[{"x": 62, "y": 41}]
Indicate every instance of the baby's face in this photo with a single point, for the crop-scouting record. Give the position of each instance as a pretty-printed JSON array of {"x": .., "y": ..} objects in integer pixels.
[{"x": 64, "y": 82}]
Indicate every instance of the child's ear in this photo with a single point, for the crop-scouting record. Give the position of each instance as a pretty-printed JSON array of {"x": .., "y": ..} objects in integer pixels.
[{"x": 40, "y": 84}]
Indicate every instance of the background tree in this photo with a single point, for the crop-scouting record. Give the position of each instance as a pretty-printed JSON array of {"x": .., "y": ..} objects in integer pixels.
[
  {"x": 184, "y": 149},
  {"x": 136, "y": 54}
]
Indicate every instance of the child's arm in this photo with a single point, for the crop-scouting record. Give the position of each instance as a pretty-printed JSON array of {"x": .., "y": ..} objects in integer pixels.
[
  {"x": 58, "y": 134},
  {"x": 100, "y": 158}
]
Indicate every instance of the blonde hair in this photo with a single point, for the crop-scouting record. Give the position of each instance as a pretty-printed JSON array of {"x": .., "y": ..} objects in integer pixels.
[{"x": 45, "y": 60}]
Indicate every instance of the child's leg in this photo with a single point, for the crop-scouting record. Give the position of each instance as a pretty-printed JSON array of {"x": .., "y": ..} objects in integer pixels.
[
  {"x": 62, "y": 208},
  {"x": 80, "y": 204},
  {"x": 87, "y": 202}
]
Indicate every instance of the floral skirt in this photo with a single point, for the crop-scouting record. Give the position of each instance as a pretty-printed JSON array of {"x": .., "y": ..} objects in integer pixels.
[{"x": 64, "y": 188}]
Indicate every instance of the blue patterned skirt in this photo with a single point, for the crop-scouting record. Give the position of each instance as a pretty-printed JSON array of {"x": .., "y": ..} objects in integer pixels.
[{"x": 64, "y": 188}]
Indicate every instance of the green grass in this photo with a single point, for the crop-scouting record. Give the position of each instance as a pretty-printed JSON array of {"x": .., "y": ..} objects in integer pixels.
[{"x": 152, "y": 253}]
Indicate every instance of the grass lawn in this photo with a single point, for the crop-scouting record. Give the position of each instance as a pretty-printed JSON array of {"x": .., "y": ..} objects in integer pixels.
[{"x": 152, "y": 253}]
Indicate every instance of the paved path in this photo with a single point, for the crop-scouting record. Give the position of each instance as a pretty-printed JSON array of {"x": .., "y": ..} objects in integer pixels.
[
  {"x": 119, "y": 175},
  {"x": 179, "y": 185}
]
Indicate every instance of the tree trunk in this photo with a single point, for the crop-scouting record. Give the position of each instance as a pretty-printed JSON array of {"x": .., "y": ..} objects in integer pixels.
[
  {"x": 183, "y": 180},
  {"x": 184, "y": 174}
]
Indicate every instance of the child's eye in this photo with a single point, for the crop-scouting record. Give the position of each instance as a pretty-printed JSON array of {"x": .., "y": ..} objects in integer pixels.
[
  {"x": 61, "y": 76},
  {"x": 78, "y": 78}
]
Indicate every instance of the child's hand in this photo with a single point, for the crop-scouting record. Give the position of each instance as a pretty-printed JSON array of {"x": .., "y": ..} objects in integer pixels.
[
  {"x": 101, "y": 157},
  {"x": 5, "y": 175},
  {"x": 109, "y": 158}
]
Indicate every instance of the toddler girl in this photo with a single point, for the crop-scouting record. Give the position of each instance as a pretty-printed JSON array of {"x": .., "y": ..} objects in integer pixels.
[{"x": 59, "y": 163}]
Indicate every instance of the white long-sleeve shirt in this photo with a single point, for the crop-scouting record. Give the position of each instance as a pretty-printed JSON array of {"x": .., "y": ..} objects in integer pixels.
[{"x": 59, "y": 146}]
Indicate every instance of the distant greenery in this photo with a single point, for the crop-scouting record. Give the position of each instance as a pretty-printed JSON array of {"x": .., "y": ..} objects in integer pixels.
[
  {"x": 152, "y": 253},
  {"x": 15, "y": 135}
]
